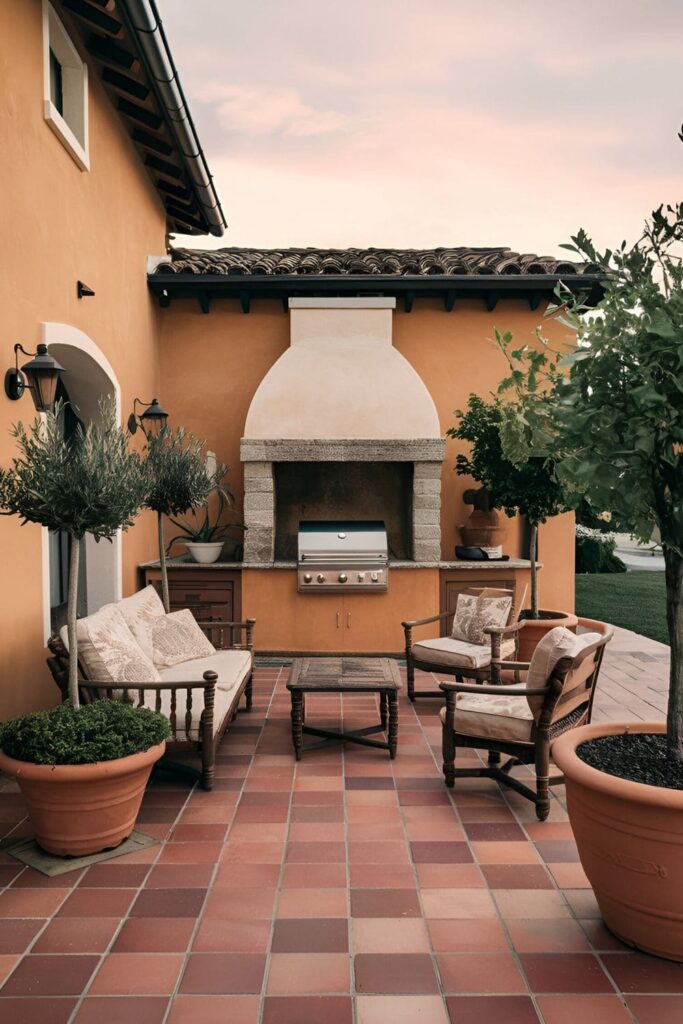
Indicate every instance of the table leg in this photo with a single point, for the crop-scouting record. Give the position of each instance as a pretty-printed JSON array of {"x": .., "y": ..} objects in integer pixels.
[
  {"x": 393, "y": 723},
  {"x": 297, "y": 723},
  {"x": 383, "y": 709}
]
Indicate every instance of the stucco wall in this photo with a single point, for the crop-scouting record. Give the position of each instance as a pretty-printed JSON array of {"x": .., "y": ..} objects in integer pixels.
[
  {"x": 211, "y": 365},
  {"x": 60, "y": 224}
]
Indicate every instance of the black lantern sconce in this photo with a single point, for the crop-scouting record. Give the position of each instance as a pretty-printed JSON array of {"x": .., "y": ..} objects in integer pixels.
[
  {"x": 152, "y": 421},
  {"x": 39, "y": 375}
]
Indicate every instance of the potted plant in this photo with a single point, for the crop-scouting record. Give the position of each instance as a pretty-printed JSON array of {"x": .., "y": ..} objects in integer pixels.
[
  {"x": 181, "y": 478},
  {"x": 204, "y": 538},
  {"x": 528, "y": 485},
  {"x": 619, "y": 422},
  {"x": 82, "y": 771}
]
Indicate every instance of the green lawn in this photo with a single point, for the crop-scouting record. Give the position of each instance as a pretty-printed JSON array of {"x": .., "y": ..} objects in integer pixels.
[{"x": 634, "y": 600}]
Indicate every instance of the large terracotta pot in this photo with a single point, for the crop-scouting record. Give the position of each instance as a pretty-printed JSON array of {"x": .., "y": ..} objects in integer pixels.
[
  {"x": 535, "y": 629},
  {"x": 78, "y": 809},
  {"x": 630, "y": 840}
]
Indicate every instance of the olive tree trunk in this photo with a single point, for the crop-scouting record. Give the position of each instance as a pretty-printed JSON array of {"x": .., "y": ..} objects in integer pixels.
[
  {"x": 533, "y": 547},
  {"x": 71, "y": 612},
  {"x": 162, "y": 564},
  {"x": 673, "y": 561}
]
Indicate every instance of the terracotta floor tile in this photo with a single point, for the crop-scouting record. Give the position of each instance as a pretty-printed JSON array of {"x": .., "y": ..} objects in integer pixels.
[
  {"x": 491, "y": 1010},
  {"x": 310, "y": 935},
  {"x": 485, "y": 973},
  {"x": 455, "y": 903},
  {"x": 549, "y": 830},
  {"x": 547, "y": 935},
  {"x": 317, "y": 832},
  {"x": 601, "y": 938},
  {"x": 168, "y": 903},
  {"x": 394, "y": 973},
  {"x": 583, "y": 903},
  {"x": 253, "y": 852},
  {"x": 97, "y": 903},
  {"x": 377, "y": 876},
  {"x": 314, "y": 876},
  {"x": 401, "y": 1010},
  {"x": 137, "y": 974},
  {"x": 48, "y": 975},
  {"x": 17, "y": 934},
  {"x": 468, "y": 936},
  {"x": 364, "y": 831},
  {"x": 390, "y": 935},
  {"x": 313, "y": 903},
  {"x": 450, "y": 876},
  {"x": 638, "y": 972},
  {"x": 308, "y": 974},
  {"x": 77, "y": 935},
  {"x": 36, "y": 1011},
  {"x": 197, "y": 834},
  {"x": 216, "y": 935},
  {"x": 122, "y": 1010},
  {"x": 307, "y": 1010},
  {"x": 30, "y": 902},
  {"x": 505, "y": 853},
  {"x": 529, "y": 903},
  {"x": 114, "y": 876},
  {"x": 494, "y": 832},
  {"x": 259, "y": 832},
  {"x": 369, "y": 852},
  {"x": 181, "y": 876},
  {"x": 569, "y": 876},
  {"x": 384, "y": 903},
  {"x": 154, "y": 935},
  {"x": 234, "y": 875},
  {"x": 564, "y": 972},
  {"x": 190, "y": 853},
  {"x": 223, "y": 974},
  {"x": 214, "y": 1009},
  {"x": 558, "y": 851},
  {"x": 657, "y": 1009},
  {"x": 516, "y": 876},
  {"x": 240, "y": 903},
  {"x": 587, "y": 1009},
  {"x": 316, "y": 853}
]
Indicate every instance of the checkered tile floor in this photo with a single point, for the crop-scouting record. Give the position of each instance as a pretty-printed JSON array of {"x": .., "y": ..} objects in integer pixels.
[{"x": 346, "y": 889}]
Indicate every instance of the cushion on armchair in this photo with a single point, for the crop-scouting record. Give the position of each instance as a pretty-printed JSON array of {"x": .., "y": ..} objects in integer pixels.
[
  {"x": 556, "y": 644},
  {"x": 451, "y": 653},
  {"x": 476, "y": 612},
  {"x": 493, "y": 717}
]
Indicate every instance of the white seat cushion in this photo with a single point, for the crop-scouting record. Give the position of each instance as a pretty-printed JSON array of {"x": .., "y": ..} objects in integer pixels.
[
  {"x": 492, "y": 717},
  {"x": 230, "y": 666},
  {"x": 222, "y": 700},
  {"x": 450, "y": 653}
]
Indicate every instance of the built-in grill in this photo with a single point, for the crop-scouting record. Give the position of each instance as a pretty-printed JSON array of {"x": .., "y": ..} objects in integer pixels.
[{"x": 342, "y": 556}]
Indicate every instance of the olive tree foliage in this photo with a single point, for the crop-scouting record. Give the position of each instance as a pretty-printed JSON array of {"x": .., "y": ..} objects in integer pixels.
[
  {"x": 90, "y": 483},
  {"x": 618, "y": 409},
  {"x": 179, "y": 481}
]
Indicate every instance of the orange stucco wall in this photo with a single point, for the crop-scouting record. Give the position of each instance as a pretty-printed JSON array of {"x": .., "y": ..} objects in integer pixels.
[
  {"x": 60, "y": 224},
  {"x": 212, "y": 364}
]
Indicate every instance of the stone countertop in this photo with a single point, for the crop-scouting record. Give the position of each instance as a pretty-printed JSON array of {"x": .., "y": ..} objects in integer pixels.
[{"x": 185, "y": 562}]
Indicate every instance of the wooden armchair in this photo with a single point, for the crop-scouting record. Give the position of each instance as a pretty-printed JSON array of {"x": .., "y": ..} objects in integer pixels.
[
  {"x": 458, "y": 658},
  {"x": 199, "y": 704},
  {"x": 522, "y": 720}
]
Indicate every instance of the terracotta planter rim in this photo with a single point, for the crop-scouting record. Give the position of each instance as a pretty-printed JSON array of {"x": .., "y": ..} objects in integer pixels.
[
  {"x": 547, "y": 615},
  {"x": 567, "y": 760},
  {"x": 80, "y": 772}
]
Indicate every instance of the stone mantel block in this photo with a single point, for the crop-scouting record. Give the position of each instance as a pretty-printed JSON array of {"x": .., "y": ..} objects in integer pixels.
[{"x": 419, "y": 450}]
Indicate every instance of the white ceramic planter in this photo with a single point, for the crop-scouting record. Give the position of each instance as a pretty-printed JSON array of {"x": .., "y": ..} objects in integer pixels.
[{"x": 205, "y": 553}]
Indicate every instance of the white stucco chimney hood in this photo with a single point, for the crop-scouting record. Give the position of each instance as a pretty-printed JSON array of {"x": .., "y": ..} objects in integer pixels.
[{"x": 341, "y": 379}]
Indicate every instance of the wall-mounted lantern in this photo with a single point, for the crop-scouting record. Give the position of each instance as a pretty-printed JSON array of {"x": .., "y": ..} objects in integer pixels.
[
  {"x": 39, "y": 375},
  {"x": 152, "y": 421}
]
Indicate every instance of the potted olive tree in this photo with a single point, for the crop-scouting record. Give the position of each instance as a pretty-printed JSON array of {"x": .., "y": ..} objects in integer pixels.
[
  {"x": 99, "y": 756},
  {"x": 619, "y": 423},
  {"x": 526, "y": 485}
]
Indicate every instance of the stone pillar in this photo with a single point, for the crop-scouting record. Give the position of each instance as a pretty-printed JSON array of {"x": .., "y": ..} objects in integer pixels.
[
  {"x": 259, "y": 512},
  {"x": 427, "y": 511}
]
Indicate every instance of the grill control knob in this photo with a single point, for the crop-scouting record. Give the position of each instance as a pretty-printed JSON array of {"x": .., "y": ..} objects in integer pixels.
[
  {"x": 307, "y": 577},
  {"x": 374, "y": 577},
  {"x": 320, "y": 577},
  {"x": 343, "y": 577},
  {"x": 361, "y": 577}
]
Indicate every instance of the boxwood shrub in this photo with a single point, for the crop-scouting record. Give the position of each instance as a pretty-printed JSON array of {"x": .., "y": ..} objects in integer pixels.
[{"x": 101, "y": 731}]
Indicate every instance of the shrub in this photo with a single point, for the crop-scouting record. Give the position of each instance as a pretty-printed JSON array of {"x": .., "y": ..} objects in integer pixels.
[
  {"x": 101, "y": 731},
  {"x": 595, "y": 552}
]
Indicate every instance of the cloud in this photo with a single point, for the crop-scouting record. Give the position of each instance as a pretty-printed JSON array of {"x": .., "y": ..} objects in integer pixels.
[{"x": 260, "y": 111}]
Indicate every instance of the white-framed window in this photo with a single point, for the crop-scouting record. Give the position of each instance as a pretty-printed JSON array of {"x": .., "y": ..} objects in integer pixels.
[{"x": 65, "y": 88}]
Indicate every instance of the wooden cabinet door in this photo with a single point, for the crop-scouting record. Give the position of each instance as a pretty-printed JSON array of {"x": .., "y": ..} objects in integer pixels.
[
  {"x": 211, "y": 595},
  {"x": 454, "y": 582}
]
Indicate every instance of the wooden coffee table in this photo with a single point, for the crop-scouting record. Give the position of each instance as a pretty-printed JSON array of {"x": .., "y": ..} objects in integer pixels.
[{"x": 346, "y": 675}]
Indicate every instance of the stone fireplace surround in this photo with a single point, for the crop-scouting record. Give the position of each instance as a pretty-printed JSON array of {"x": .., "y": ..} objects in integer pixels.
[{"x": 341, "y": 393}]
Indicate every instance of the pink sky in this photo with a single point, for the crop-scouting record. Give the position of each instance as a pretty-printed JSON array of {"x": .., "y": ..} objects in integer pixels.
[{"x": 433, "y": 122}]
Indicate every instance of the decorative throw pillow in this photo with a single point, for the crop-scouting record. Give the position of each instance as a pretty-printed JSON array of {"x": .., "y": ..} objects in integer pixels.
[
  {"x": 476, "y": 612},
  {"x": 556, "y": 644},
  {"x": 108, "y": 651},
  {"x": 140, "y": 612},
  {"x": 177, "y": 637}
]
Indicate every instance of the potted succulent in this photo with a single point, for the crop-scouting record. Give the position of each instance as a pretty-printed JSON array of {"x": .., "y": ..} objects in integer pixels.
[
  {"x": 204, "y": 537},
  {"x": 181, "y": 478},
  {"x": 527, "y": 485},
  {"x": 82, "y": 770},
  {"x": 619, "y": 423}
]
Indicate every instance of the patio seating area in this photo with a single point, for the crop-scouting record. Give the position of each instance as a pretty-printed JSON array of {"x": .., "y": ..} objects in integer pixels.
[{"x": 346, "y": 888}]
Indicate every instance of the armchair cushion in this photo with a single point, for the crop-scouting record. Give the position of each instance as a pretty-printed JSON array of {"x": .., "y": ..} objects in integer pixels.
[
  {"x": 451, "y": 653},
  {"x": 476, "y": 612},
  {"x": 493, "y": 717},
  {"x": 230, "y": 666},
  {"x": 556, "y": 644},
  {"x": 141, "y": 611},
  {"x": 177, "y": 638}
]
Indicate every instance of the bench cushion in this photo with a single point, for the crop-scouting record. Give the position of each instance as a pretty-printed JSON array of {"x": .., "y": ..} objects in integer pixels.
[
  {"x": 108, "y": 650},
  {"x": 450, "y": 653},
  {"x": 223, "y": 699},
  {"x": 140, "y": 611},
  {"x": 231, "y": 668}
]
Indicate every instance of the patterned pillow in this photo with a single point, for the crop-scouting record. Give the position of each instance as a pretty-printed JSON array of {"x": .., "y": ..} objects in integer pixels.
[
  {"x": 140, "y": 612},
  {"x": 177, "y": 637},
  {"x": 108, "y": 651},
  {"x": 476, "y": 612}
]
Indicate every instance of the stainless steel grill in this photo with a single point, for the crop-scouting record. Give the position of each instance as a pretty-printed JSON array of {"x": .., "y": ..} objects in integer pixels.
[{"x": 342, "y": 556}]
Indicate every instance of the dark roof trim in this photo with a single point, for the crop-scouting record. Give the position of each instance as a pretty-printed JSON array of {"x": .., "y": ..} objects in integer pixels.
[{"x": 130, "y": 50}]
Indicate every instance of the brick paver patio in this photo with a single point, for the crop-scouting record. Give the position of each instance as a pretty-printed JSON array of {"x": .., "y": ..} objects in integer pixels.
[{"x": 347, "y": 888}]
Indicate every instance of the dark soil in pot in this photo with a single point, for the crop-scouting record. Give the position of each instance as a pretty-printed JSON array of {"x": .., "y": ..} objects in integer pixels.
[
  {"x": 638, "y": 757},
  {"x": 542, "y": 615}
]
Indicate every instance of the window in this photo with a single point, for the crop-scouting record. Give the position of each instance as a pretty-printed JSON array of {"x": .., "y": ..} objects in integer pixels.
[{"x": 65, "y": 88}]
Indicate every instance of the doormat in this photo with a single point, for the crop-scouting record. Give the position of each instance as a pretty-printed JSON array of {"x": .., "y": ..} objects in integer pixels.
[{"x": 28, "y": 852}]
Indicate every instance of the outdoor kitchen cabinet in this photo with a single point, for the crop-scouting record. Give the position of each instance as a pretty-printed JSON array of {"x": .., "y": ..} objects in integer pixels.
[{"x": 211, "y": 594}]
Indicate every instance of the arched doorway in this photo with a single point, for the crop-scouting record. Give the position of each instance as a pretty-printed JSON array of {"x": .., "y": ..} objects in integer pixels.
[{"x": 88, "y": 377}]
